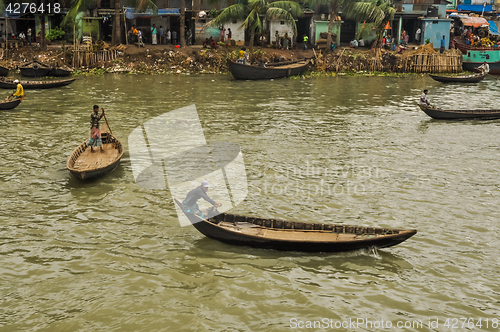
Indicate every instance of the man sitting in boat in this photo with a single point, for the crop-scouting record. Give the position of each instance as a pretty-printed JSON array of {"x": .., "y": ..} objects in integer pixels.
[
  {"x": 423, "y": 99},
  {"x": 190, "y": 204},
  {"x": 19, "y": 91},
  {"x": 95, "y": 133},
  {"x": 484, "y": 68}
]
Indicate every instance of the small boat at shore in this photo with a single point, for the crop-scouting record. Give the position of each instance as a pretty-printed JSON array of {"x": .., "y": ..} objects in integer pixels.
[
  {"x": 294, "y": 236},
  {"x": 267, "y": 71},
  {"x": 473, "y": 59},
  {"x": 475, "y": 78},
  {"x": 60, "y": 71},
  {"x": 86, "y": 165},
  {"x": 440, "y": 114},
  {"x": 465, "y": 48},
  {"x": 4, "y": 71},
  {"x": 9, "y": 84},
  {"x": 35, "y": 69}
]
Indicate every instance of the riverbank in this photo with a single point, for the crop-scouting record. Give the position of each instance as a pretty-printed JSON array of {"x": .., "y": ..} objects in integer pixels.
[{"x": 166, "y": 59}]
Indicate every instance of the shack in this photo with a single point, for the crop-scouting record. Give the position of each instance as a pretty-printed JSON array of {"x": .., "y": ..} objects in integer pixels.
[{"x": 433, "y": 29}]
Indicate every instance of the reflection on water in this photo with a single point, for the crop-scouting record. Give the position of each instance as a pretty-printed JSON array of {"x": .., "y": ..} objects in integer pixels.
[{"x": 109, "y": 255}]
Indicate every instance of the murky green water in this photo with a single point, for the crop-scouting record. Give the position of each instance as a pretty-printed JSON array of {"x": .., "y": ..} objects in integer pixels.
[{"x": 111, "y": 256}]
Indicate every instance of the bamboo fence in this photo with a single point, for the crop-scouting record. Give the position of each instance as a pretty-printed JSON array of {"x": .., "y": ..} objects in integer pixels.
[
  {"x": 85, "y": 58},
  {"x": 431, "y": 63}
]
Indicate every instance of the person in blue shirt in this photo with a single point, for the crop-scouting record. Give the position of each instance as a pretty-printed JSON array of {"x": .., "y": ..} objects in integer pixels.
[
  {"x": 190, "y": 204},
  {"x": 441, "y": 49}
]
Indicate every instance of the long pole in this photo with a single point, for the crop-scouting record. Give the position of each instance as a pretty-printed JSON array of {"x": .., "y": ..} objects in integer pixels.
[{"x": 125, "y": 25}]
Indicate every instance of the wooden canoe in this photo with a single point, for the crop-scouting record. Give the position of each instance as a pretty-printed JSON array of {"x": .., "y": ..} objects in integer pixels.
[
  {"x": 35, "y": 69},
  {"x": 475, "y": 78},
  {"x": 294, "y": 236},
  {"x": 4, "y": 71},
  {"x": 60, "y": 71},
  {"x": 465, "y": 48},
  {"x": 440, "y": 114},
  {"x": 86, "y": 165},
  {"x": 267, "y": 71},
  {"x": 9, "y": 84},
  {"x": 9, "y": 104}
]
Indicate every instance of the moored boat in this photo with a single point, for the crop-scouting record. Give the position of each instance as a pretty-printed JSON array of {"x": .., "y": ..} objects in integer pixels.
[
  {"x": 268, "y": 71},
  {"x": 9, "y": 84},
  {"x": 440, "y": 114},
  {"x": 34, "y": 69},
  {"x": 86, "y": 165},
  {"x": 294, "y": 236},
  {"x": 465, "y": 48},
  {"x": 60, "y": 71},
  {"x": 4, "y": 71},
  {"x": 473, "y": 59},
  {"x": 475, "y": 78}
]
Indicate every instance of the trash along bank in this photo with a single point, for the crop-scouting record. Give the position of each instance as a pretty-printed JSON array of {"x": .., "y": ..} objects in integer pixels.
[{"x": 162, "y": 59}]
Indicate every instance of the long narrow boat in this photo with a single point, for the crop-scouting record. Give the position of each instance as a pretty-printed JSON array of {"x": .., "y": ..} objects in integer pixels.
[
  {"x": 440, "y": 114},
  {"x": 86, "y": 165},
  {"x": 35, "y": 69},
  {"x": 294, "y": 236},
  {"x": 9, "y": 84},
  {"x": 268, "y": 71},
  {"x": 459, "y": 79},
  {"x": 465, "y": 48},
  {"x": 9, "y": 104},
  {"x": 4, "y": 71},
  {"x": 473, "y": 59}
]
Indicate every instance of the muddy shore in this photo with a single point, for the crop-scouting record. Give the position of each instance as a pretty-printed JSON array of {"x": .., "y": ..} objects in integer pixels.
[{"x": 166, "y": 59}]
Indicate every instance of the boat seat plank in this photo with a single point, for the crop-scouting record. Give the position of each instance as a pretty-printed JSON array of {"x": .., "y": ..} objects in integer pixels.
[{"x": 90, "y": 160}]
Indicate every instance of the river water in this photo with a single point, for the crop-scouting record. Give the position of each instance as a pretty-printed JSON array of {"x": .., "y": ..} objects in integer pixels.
[{"x": 111, "y": 256}]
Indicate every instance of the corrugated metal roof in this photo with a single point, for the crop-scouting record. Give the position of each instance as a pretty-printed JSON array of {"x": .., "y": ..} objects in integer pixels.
[{"x": 474, "y": 21}]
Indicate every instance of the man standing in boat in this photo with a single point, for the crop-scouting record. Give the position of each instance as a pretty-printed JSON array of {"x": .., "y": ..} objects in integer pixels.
[
  {"x": 95, "y": 133},
  {"x": 190, "y": 204},
  {"x": 423, "y": 99},
  {"x": 19, "y": 90}
]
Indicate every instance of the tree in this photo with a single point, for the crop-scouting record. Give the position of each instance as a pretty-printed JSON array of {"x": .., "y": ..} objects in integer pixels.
[
  {"x": 182, "y": 19},
  {"x": 379, "y": 12},
  {"x": 252, "y": 11}
]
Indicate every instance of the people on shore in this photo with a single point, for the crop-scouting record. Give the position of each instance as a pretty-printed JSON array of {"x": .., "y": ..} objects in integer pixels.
[
  {"x": 161, "y": 31},
  {"x": 417, "y": 36},
  {"x": 139, "y": 38},
  {"x": 229, "y": 35},
  {"x": 189, "y": 37},
  {"x": 174, "y": 37},
  {"x": 95, "y": 133},
  {"x": 222, "y": 33},
  {"x": 278, "y": 39},
  {"x": 168, "y": 37},
  {"x": 306, "y": 40},
  {"x": 28, "y": 34},
  {"x": 190, "y": 203},
  {"x": 154, "y": 36},
  {"x": 423, "y": 99},
  {"x": 442, "y": 48},
  {"x": 134, "y": 33},
  {"x": 210, "y": 42}
]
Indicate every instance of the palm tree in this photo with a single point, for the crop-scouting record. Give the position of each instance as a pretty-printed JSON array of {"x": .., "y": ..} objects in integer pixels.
[
  {"x": 379, "y": 12},
  {"x": 335, "y": 6},
  {"x": 252, "y": 11}
]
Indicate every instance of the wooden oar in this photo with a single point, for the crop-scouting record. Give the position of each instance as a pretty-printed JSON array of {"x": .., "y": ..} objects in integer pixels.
[{"x": 107, "y": 124}]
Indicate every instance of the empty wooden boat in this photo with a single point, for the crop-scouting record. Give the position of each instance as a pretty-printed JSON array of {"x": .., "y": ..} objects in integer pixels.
[
  {"x": 475, "y": 78},
  {"x": 9, "y": 84},
  {"x": 268, "y": 71},
  {"x": 86, "y": 165},
  {"x": 60, "y": 71},
  {"x": 438, "y": 113},
  {"x": 294, "y": 236},
  {"x": 35, "y": 69},
  {"x": 4, "y": 71}
]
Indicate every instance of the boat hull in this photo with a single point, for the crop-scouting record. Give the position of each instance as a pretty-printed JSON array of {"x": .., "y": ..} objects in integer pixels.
[
  {"x": 8, "y": 105},
  {"x": 32, "y": 72},
  {"x": 440, "y": 114},
  {"x": 290, "y": 239},
  {"x": 473, "y": 66},
  {"x": 9, "y": 84},
  {"x": 465, "y": 48},
  {"x": 58, "y": 72},
  {"x": 4, "y": 71},
  {"x": 251, "y": 72},
  {"x": 88, "y": 170},
  {"x": 459, "y": 79}
]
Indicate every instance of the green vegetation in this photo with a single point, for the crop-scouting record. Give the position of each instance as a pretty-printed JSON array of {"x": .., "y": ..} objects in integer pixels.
[{"x": 55, "y": 33}]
